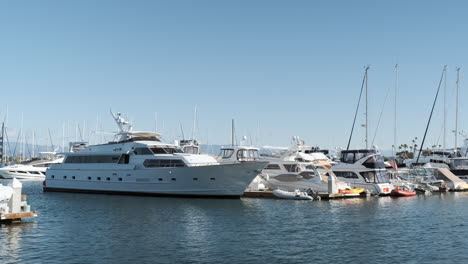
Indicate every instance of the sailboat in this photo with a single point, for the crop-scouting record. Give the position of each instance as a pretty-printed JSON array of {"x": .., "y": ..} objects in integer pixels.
[{"x": 363, "y": 168}]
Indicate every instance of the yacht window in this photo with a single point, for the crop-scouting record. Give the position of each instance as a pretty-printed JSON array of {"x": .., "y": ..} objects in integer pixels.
[
  {"x": 307, "y": 174},
  {"x": 93, "y": 159},
  {"x": 163, "y": 163},
  {"x": 348, "y": 158},
  {"x": 44, "y": 165},
  {"x": 359, "y": 156},
  {"x": 226, "y": 153},
  {"x": 254, "y": 154},
  {"x": 460, "y": 163},
  {"x": 124, "y": 159},
  {"x": 374, "y": 162},
  {"x": 382, "y": 177},
  {"x": 272, "y": 167},
  {"x": 192, "y": 150},
  {"x": 166, "y": 150},
  {"x": 369, "y": 176},
  {"x": 291, "y": 167},
  {"x": 346, "y": 174},
  {"x": 247, "y": 154},
  {"x": 143, "y": 151},
  {"x": 376, "y": 176}
]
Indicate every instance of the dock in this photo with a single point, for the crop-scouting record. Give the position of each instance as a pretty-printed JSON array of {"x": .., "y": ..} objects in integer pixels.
[
  {"x": 13, "y": 204},
  {"x": 16, "y": 217},
  {"x": 323, "y": 196}
]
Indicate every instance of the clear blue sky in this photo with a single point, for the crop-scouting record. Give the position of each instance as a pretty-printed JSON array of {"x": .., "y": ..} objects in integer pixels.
[{"x": 280, "y": 68}]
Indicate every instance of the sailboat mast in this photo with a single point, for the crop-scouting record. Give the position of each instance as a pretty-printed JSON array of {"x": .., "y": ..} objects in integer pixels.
[
  {"x": 367, "y": 107},
  {"x": 3, "y": 145},
  {"x": 357, "y": 109},
  {"x": 32, "y": 145},
  {"x": 395, "y": 113},
  {"x": 432, "y": 111},
  {"x": 445, "y": 111},
  {"x": 456, "y": 111}
]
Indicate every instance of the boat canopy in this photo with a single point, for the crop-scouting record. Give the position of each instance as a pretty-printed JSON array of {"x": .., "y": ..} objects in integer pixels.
[{"x": 351, "y": 156}]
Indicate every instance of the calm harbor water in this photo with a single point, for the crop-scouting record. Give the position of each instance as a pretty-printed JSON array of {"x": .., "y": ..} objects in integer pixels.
[{"x": 87, "y": 228}]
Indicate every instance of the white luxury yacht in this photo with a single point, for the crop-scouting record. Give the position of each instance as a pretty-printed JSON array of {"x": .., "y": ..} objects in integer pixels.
[
  {"x": 139, "y": 163},
  {"x": 363, "y": 168},
  {"x": 31, "y": 169}
]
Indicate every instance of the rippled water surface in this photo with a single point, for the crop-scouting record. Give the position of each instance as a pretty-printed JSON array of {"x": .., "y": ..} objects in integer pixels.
[{"x": 86, "y": 228}]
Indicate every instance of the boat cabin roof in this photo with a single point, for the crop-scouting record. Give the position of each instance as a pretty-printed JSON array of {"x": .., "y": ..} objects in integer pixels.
[{"x": 373, "y": 151}]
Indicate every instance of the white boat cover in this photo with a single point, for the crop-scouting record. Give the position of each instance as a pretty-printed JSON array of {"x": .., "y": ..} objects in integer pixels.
[{"x": 448, "y": 177}]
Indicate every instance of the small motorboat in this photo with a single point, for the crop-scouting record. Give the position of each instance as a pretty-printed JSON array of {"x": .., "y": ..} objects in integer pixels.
[
  {"x": 402, "y": 192},
  {"x": 462, "y": 187},
  {"x": 296, "y": 195},
  {"x": 351, "y": 192}
]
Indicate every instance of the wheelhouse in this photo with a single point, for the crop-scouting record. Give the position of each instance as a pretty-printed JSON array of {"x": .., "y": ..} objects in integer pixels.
[{"x": 237, "y": 153}]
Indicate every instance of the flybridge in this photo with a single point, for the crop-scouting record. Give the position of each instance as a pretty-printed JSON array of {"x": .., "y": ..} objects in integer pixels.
[{"x": 126, "y": 134}]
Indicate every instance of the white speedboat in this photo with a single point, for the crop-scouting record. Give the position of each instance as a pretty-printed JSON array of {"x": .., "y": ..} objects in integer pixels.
[
  {"x": 30, "y": 170},
  {"x": 363, "y": 168},
  {"x": 298, "y": 168},
  {"x": 138, "y": 162}
]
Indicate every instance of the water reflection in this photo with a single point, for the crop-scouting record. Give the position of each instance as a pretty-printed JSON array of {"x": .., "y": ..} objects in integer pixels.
[
  {"x": 85, "y": 228},
  {"x": 11, "y": 236}
]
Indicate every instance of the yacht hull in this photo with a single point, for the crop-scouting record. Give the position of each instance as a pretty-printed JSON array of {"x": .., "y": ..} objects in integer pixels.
[
  {"x": 25, "y": 175},
  {"x": 224, "y": 180}
]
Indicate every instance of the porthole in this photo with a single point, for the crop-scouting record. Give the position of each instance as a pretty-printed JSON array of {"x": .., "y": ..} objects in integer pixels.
[
  {"x": 65, "y": 177},
  {"x": 89, "y": 178},
  {"x": 53, "y": 176},
  {"x": 98, "y": 178},
  {"x": 73, "y": 177},
  {"x": 212, "y": 179},
  {"x": 195, "y": 179},
  {"x": 173, "y": 179},
  {"x": 120, "y": 179},
  {"x": 108, "y": 178},
  {"x": 160, "y": 179}
]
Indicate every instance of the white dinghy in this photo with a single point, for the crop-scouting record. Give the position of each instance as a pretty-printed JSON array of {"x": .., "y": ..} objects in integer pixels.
[{"x": 296, "y": 195}]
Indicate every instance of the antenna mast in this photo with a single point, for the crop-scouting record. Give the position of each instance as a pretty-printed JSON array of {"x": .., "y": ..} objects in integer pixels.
[
  {"x": 395, "y": 112},
  {"x": 232, "y": 132},
  {"x": 194, "y": 122}
]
